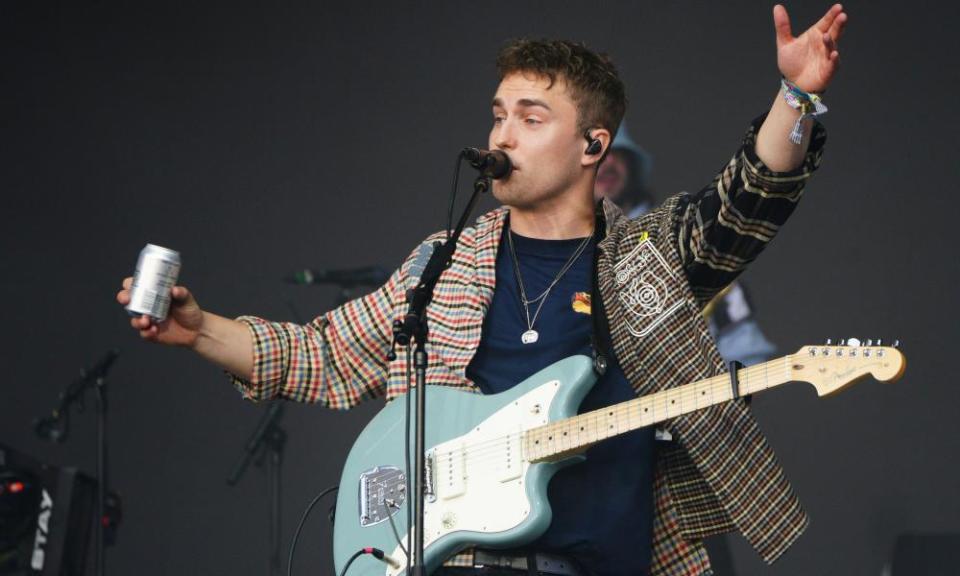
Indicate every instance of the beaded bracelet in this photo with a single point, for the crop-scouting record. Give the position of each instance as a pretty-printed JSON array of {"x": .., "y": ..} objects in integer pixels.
[{"x": 809, "y": 106}]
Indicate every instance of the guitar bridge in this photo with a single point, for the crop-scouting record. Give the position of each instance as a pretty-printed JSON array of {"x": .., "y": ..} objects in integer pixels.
[{"x": 382, "y": 491}]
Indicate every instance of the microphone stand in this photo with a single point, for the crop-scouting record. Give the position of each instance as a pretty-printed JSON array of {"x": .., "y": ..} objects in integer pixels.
[
  {"x": 55, "y": 428},
  {"x": 270, "y": 438},
  {"x": 414, "y": 327}
]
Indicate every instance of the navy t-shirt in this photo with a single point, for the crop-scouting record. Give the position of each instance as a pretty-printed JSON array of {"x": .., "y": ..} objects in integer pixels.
[{"x": 603, "y": 507}]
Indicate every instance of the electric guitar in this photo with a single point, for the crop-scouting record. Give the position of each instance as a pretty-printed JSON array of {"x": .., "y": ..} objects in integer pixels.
[{"x": 490, "y": 457}]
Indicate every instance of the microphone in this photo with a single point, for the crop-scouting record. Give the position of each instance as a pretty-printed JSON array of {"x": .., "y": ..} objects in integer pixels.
[
  {"x": 374, "y": 275},
  {"x": 51, "y": 429},
  {"x": 100, "y": 369},
  {"x": 55, "y": 427},
  {"x": 491, "y": 163}
]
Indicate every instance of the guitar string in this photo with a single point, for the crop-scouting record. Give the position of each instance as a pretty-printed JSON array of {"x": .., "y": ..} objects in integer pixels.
[
  {"x": 599, "y": 421},
  {"x": 720, "y": 382},
  {"x": 492, "y": 448},
  {"x": 752, "y": 379},
  {"x": 483, "y": 450},
  {"x": 595, "y": 424}
]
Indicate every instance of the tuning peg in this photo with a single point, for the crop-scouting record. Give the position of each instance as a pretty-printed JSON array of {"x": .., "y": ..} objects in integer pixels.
[
  {"x": 828, "y": 342},
  {"x": 843, "y": 342},
  {"x": 896, "y": 343},
  {"x": 869, "y": 342},
  {"x": 879, "y": 341},
  {"x": 853, "y": 342}
]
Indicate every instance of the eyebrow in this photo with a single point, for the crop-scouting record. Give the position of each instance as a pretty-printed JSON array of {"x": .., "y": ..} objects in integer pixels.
[{"x": 523, "y": 103}]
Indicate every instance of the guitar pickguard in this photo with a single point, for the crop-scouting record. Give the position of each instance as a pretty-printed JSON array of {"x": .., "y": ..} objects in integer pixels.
[{"x": 482, "y": 489}]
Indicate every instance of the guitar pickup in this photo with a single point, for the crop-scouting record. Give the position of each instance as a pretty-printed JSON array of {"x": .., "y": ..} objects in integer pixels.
[
  {"x": 511, "y": 465},
  {"x": 451, "y": 472}
]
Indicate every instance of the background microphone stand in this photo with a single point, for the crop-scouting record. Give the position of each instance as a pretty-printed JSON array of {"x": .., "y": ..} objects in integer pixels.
[
  {"x": 56, "y": 426},
  {"x": 269, "y": 438}
]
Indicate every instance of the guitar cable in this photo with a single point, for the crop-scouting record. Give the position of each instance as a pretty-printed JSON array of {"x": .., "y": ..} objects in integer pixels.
[
  {"x": 393, "y": 504},
  {"x": 303, "y": 519},
  {"x": 375, "y": 552}
]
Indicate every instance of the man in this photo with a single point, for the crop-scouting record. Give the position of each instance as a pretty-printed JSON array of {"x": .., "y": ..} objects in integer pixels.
[
  {"x": 624, "y": 175},
  {"x": 569, "y": 280},
  {"x": 624, "y": 179}
]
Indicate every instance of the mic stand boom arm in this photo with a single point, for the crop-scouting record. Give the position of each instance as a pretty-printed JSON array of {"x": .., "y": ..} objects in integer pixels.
[
  {"x": 55, "y": 428},
  {"x": 414, "y": 327}
]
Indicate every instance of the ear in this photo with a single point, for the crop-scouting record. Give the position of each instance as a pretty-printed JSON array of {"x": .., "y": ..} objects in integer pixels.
[{"x": 592, "y": 153}]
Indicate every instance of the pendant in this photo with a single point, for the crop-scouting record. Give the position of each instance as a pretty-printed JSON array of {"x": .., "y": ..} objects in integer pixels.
[{"x": 530, "y": 336}]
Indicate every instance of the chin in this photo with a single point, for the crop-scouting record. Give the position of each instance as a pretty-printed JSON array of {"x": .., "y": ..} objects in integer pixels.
[{"x": 504, "y": 192}]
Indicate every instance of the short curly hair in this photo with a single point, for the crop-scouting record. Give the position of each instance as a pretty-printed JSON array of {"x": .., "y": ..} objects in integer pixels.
[{"x": 591, "y": 78}]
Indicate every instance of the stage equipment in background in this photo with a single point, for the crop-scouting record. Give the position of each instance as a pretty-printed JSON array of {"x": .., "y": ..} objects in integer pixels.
[
  {"x": 344, "y": 277},
  {"x": 56, "y": 427},
  {"x": 490, "y": 458},
  {"x": 347, "y": 279},
  {"x": 45, "y": 517},
  {"x": 924, "y": 554},
  {"x": 267, "y": 443}
]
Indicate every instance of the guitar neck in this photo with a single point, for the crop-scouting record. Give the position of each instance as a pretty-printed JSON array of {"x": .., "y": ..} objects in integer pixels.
[{"x": 575, "y": 434}]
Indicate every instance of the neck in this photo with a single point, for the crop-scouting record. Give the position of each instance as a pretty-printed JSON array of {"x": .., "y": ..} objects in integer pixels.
[{"x": 569, "y": 216}]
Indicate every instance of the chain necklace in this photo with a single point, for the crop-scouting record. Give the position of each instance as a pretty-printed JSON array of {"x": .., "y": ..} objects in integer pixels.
[{"x": 531, "y": 335}]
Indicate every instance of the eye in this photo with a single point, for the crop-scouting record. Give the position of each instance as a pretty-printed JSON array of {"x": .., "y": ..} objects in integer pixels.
[
  {"x": 531, "y": 120},
  {"x": 498, "y": 120}
]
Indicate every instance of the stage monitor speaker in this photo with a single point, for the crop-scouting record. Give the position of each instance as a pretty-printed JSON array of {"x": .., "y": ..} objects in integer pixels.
[
  {"x": 926, "y": 554},
  {"x": 46, "y": 514}
]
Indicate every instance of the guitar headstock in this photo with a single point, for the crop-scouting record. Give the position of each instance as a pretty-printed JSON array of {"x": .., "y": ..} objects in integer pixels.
[{"x": 832, "y": 367}]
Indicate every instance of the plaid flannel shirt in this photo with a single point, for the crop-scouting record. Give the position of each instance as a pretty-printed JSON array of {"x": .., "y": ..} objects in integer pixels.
[{"x": 719, "y": 474}]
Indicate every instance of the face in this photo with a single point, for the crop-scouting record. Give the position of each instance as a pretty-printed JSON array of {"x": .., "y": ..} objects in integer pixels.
[
  {"x": 612, "y": 177},
  {"x": 536, "y": 125}
]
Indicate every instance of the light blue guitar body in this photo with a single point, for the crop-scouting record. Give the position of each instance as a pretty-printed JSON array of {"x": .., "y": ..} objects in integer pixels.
[{"x": 483, "y": 490}]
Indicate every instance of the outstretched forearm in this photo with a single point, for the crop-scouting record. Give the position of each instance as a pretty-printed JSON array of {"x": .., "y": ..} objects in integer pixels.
[
  {"x": 774, "y": 146},
  {"x": 227, "y": 343}
]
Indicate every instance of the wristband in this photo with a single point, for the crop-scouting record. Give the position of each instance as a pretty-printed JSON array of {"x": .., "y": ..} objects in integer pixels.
[{"x": 809, "y": 105}]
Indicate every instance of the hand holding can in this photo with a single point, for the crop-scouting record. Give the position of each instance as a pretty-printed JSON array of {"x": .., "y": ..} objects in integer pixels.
[{"x": 161, "y": 311}]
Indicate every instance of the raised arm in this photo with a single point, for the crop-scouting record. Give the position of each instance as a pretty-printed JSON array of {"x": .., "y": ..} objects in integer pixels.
[{"x": 809, "y": 61}]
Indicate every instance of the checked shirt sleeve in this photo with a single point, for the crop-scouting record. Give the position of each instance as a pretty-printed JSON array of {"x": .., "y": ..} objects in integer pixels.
[
  {"x": 337, "y": 359},
  {"x": 726, "y": 225}
]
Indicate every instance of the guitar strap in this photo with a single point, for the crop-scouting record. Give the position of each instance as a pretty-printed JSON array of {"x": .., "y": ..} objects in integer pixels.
[
  {"x": 732, "y": 368},
  {"x": 600, "y": 340}
]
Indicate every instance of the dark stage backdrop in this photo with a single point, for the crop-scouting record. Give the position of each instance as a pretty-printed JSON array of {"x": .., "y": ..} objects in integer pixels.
[{"x": 258, "y": 138}]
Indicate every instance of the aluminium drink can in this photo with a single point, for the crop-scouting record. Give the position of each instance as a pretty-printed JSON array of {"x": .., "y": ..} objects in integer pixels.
[{"x": 156, "y": 274}]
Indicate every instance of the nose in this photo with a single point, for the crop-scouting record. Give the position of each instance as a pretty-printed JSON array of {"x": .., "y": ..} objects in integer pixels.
[{"x": 503, "y": 137}]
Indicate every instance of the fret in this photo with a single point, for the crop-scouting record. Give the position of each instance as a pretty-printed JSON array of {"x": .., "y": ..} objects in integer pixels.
[{"x": 589, "y": 428}]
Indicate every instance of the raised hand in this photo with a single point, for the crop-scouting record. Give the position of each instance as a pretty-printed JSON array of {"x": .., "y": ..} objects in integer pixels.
[{"x": 811, "y": 59}]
